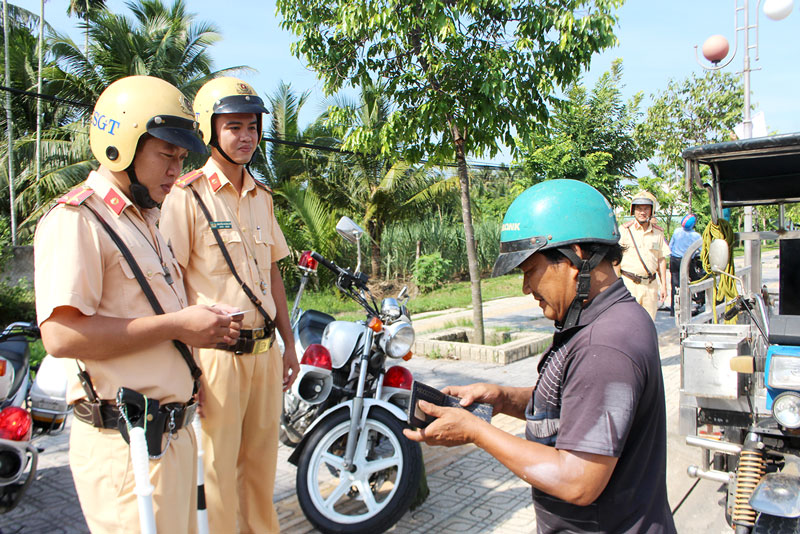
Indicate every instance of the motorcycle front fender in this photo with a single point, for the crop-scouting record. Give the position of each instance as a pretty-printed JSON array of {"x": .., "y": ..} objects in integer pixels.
[
  {"x": 777, "y": 494},
  {"x": 369, "y": 404}
]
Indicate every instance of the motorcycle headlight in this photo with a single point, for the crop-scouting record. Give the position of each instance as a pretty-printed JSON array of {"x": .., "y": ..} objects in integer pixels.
[
  {"x": 784, "y": 372},
  {"x": 786, "y": 409},
  {"x": 397, "y": 339}
]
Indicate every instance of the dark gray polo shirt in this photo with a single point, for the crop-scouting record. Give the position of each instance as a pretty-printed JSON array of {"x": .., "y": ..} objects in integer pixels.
[{"x": 600, "y": 391}]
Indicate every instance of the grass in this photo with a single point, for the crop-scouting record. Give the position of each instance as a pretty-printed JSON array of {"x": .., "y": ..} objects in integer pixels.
[{"x": 452, "y": 295}]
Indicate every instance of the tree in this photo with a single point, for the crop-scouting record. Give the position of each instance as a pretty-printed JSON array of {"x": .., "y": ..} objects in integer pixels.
[
  {"x": 83, "y": 9},
  {"x": 590, "y": 137},
  {"x": 695, "y": 111},
  {"x": 373, "y": 187},
  {"x": 162, "y": 41},
  {"x": 463, "y": 74}
]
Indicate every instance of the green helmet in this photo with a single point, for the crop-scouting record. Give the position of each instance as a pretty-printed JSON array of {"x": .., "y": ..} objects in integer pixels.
[{"x": 552, "y": 214}]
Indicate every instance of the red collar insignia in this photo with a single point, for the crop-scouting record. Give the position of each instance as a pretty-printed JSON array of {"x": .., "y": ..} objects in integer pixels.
[{"x": 114, "y": 201}]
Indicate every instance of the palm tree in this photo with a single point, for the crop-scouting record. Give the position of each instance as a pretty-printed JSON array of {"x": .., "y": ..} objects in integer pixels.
[
  {"x": 374, "y": 186},
  {"x": 162, "y": 41},
  {"x": 159, "y": 40},
  {"x": 23, "y": 70},
  {"x": 83, "y": 9}
]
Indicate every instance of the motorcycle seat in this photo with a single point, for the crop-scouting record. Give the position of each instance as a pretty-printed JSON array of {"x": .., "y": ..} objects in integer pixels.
[
  {"x": 784, "y": 330},
  {"x": 311, "y": 325},
  {"x": 15, "y": 350}
]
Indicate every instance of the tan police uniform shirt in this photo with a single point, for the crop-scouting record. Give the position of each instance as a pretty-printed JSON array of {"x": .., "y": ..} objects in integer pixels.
[
  {"x": 652, "y": 246},
  {"x": 246, "y": 222},
  {"x": 78, "y": 265}
]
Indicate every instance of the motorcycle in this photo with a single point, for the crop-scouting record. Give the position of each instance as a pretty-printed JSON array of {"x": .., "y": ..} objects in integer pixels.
[
  {"x": 345, "y": 413},
  {"x": 28, "y": 409},
  {"x": 740, "y": 379}
]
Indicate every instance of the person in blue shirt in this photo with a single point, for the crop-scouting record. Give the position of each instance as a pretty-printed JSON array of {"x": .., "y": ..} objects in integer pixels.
[{"x": 683, "y": 237}]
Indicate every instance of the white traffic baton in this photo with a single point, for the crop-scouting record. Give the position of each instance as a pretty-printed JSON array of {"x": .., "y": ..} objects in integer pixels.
[
  {"x": 202, "y": 513},
  {"x": 141, "y": 474}
]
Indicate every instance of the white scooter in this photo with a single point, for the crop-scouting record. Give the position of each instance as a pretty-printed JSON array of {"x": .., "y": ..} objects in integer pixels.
[{"x": 27, "y": 409}]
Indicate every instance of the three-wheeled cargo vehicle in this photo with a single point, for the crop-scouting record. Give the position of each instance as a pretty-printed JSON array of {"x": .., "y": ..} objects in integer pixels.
[{"x": 740, "y": 367}]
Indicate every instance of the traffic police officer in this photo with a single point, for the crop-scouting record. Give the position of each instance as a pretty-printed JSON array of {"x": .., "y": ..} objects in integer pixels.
[
  {"x": 223, "y": 230},
  {"x": 645, "y": 254},
  {"x": 91, "y": 307}
]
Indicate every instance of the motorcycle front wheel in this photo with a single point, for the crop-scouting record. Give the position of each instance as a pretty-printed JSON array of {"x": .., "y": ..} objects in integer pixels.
[{"x": 372, "y": 497}]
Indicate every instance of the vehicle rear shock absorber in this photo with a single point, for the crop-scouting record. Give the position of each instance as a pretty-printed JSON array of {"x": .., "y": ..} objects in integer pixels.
[{"x": 752, "y": 466}]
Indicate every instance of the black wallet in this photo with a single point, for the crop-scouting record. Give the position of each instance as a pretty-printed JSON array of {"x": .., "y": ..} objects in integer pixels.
[{"x": 419, "y": 391}]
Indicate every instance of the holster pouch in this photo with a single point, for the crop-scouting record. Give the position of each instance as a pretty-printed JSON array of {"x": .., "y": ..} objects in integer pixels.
[
  {"x": 92, "y": 407},
  {"x": 143, "y": 413}
]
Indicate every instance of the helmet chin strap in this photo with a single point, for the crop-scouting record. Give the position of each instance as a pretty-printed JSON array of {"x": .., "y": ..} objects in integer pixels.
[
  {"x": 214, "y": 144},
  {"x": 585, "y": 268},
  {"x": 139, "y": 193}
]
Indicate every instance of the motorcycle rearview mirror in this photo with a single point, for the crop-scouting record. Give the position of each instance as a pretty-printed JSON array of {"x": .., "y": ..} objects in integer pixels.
[
  {"x": 349, "y": 230},
  {"x": 352, "y": 232},
  {"x": 402, "y": 293}
]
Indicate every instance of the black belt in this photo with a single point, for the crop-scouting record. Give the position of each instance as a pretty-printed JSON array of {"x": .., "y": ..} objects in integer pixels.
[
  {"x": 638, "y": 279},
  {"x": 253, "y": 341},
  {"x": 257, "y": 333},
  {"x": 181, "y": 414}
]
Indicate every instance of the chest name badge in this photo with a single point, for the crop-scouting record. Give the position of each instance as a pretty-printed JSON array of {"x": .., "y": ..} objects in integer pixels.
[{"x": 221, "y": 225}]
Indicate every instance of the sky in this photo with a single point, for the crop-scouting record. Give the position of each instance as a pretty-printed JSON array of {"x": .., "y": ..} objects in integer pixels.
[{"x": 656, "y": 44}]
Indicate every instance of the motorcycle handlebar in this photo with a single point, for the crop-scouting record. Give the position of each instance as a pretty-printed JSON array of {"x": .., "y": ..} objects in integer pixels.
[
  {"x": 358, "y": 279},
  {"x": 326, "y": 262}
]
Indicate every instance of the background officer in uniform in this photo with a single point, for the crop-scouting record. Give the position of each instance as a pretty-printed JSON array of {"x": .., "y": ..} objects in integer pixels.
[
  {"x": 243, "y": 397},
  {"x": 595, "y": 446},
  {"x": 91, "y": 308},
  {"x": 644, "y": 255}
]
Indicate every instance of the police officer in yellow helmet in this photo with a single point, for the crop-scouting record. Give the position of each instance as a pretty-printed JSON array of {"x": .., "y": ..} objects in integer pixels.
[
  {"x": 223, "y": 230},
  {"x": 93, "y": 309},
  {"x": 645, "y": 252}
]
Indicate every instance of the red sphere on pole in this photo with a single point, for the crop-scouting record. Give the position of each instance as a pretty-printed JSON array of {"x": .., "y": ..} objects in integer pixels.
[{"x": 715, "y": 48}]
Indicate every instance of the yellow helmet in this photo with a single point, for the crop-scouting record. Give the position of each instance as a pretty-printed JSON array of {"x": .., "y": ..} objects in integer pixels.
[
  {"x": 644, "y": 198},
  {"x": 132, "y": 106},
  {"x": 225, "y": 95}
]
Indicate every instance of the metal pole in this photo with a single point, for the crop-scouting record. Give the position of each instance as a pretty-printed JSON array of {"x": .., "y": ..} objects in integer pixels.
[
  {"x": 9, "y": 129},
  {"x": 747, "y": 126},
  {"x": 39, "y": 104}
]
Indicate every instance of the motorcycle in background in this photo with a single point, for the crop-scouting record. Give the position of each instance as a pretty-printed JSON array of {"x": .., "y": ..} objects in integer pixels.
[
  {"x": 346, "y": 411},
  {"x": 27, "y": 409}
]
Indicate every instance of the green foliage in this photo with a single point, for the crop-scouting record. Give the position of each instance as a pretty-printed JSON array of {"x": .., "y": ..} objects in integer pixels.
[
  {"x": 695, "y": 111},
  {"x": 16, "y": 302},
  {"x": 434, "y": 235},
  {"x": 590, "y": 138},
  {"x": 482, "y": 68},
  {"x": 430, "y": 271}
]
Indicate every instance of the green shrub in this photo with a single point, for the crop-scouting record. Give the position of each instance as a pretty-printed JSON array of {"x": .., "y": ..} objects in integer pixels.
[
  {"x": 16, "y": 303},
  {"x": 430, "y": 271}
]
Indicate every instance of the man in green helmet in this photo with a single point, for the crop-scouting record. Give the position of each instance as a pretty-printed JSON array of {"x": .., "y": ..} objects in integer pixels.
[{"x": 594, "y": 450}]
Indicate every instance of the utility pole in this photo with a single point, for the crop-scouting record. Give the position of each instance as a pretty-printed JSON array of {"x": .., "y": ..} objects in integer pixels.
[{"x": 39, "y": 104}]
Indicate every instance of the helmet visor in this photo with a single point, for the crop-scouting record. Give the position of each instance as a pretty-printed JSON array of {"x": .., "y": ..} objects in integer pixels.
[
  {"x": 240, "y": 104},
  {"x": 513, "y": 253},
  {"x": 179, "y": 131}
]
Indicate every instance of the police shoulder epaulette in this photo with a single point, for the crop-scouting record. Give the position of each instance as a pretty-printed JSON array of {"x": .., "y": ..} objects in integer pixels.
[
  {"x": 628, "y": 224},
  {"x": 188, "y": 178},
  {"x": 262, "y": 185},
  {"x": 77, "y": 196},
  {"x": 657, "y": 227}
]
